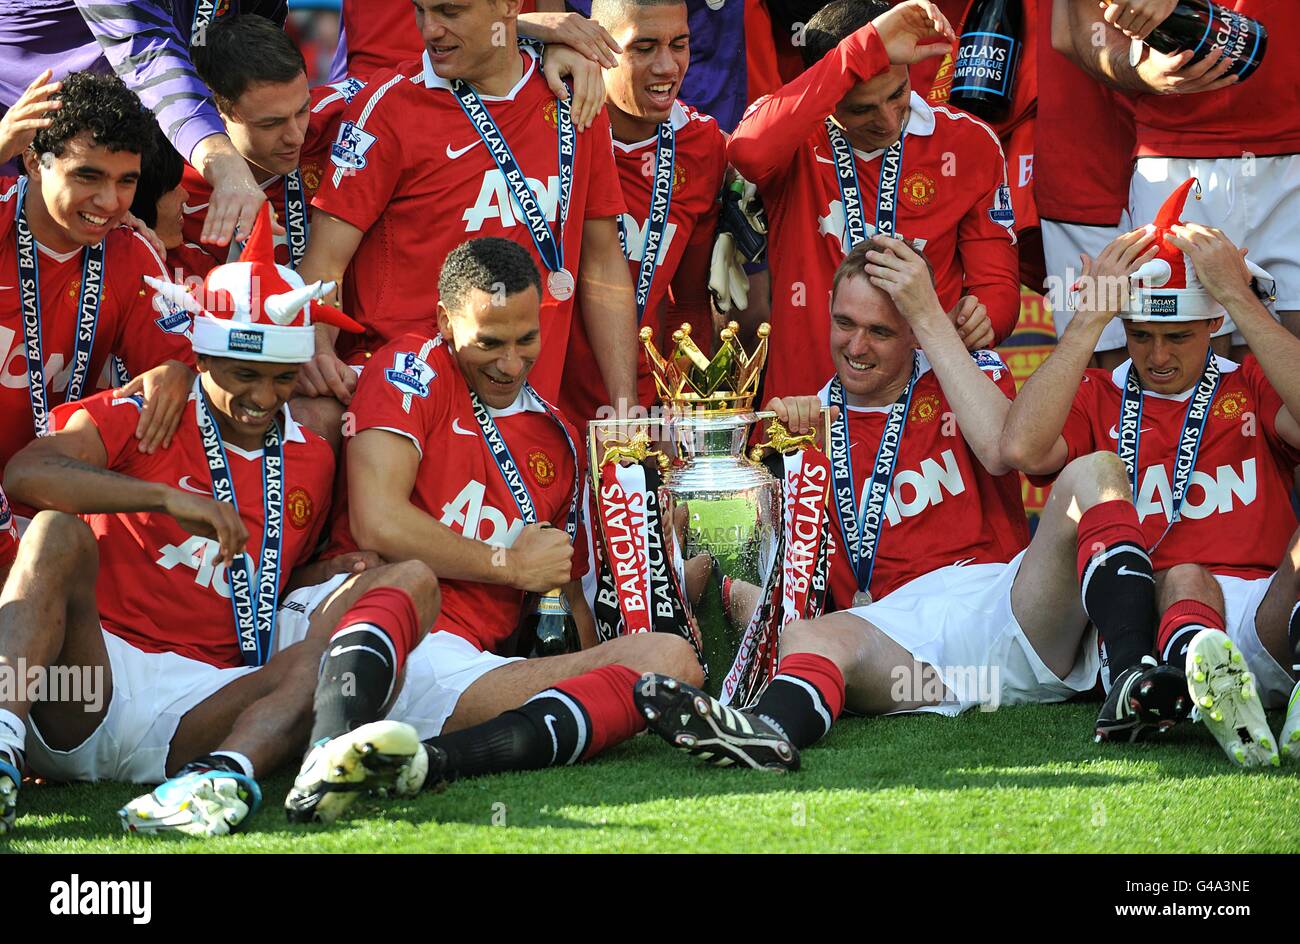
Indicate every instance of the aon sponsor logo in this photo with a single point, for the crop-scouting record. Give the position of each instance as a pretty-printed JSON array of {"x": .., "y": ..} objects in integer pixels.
[
  {"x": 201, "y": 555},
  {"x": 13, "y": 364},
  {"x": 468, "y": 514},
  {"x": 495, "y": 202},
  {"x": 636, "y": 233},
  {"x": 1206, "y": 493},
  {"x": 914, "y": 491}
]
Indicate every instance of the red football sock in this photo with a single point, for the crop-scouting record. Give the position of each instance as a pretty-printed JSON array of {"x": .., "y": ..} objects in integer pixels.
[
  {"x": 1116, "y": 582},
  {"x": 1180, "y": 622},
  {"x": 605, "y": 695},
  {"x": 391, "y": 610}
]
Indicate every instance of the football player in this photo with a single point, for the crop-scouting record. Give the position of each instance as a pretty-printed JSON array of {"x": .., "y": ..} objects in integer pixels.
[
  {"x": 932, "y": 530},
  {"x": 671, "y": 162},
  {"x": 1209, "y": 446},
  {"x": 161, "y": 597},
  {"x": 458, "y": 463},
  {"x": 847, "y": 150},
  {"x": 70, "y": 277},
  {"x": 473, "y": 139}
]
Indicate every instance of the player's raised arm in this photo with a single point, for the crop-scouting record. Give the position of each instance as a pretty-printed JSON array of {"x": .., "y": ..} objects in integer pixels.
[
  {"x": 330, "y": 249},
  {"x": 69, "y": 472},
  {"x": 1031, "y": 437},
  {"x": 980, "y": 407}
]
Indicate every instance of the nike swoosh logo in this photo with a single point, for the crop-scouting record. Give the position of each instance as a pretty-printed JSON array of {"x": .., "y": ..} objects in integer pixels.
[
  {"x": 1114, "y": 433},
  {"x": 458, "y": 429},
  {"x": 7, "y": 288},
  {"x": 1125, "y": 572},
  {"x": 549, "y": 721},
  {"x": 191, "y": 488},
  {"x": 339, "y": 650},
  {"x": 453, "y": 153},
  {"x": 822, "y": 160}
]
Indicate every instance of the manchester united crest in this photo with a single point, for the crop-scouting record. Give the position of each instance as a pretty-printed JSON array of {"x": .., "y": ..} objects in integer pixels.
[
  {"x": 924, "y": 408},
  {"x": 1231, "y": 405},
  {"x": 541, "y": 467},
  {"x": 310, "y": 177},
  {"x": 74, "y": 288},
  {"x": 298, "y": 506},
  {"x": 918, "y": 188},
  {"x": 548, "y": 112},
  {"x": 679, "y": 177}
]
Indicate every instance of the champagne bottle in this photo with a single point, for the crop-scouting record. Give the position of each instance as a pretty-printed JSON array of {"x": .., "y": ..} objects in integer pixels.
[
  {"x": 1199, "y": 25},
  {"x": 987, "y": 56},
  {"x": 549, "y": 629}
]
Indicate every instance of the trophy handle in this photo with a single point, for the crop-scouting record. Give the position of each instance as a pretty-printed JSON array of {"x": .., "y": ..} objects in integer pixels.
[{"x": 779, "y": 439}]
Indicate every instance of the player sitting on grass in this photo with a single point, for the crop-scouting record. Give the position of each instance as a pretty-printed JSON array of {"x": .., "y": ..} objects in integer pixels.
[
  {"x": 458, "y": 463},
  {"x": 149, "y": 597},
  {"x": 968, "y": 615},
  {"x": 1208, "y": 446}
]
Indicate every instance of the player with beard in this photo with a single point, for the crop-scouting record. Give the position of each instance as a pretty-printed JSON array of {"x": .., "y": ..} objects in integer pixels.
[
  {"x": 70, "y": 276},
  {"x": 847, "y": 150},
  {"x": 472, "y": 135},
  {"x": 1209, "y": 447},
  {"x": 458, "y": 463},
  {"x": 932, "y": 529},
  {"x": 671, "y": 162},
  {"x": 154, "y": 591}
]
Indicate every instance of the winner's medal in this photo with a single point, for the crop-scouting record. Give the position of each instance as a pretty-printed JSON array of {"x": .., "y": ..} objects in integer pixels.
[
  {"x": 560, "y": 284},
  {"x": 861, "y": 598}
]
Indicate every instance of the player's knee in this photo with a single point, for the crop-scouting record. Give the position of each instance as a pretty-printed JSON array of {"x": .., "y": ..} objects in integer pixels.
[
  {"x": 667, "y": 654},
  {"x": 60, "y": 545},
  {"x": 419, "y": 581},
  {"x": 1188, "y": 582},
  {"x": 1095, "y": 478}
]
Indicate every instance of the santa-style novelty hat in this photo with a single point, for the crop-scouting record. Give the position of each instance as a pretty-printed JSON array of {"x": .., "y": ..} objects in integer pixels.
[
  {"x": 254, "y": 309},
  {"x": 1165, "y": 288}
]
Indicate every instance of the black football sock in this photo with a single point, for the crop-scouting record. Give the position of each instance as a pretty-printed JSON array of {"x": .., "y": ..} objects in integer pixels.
[
  {"x": 357, "y": 676},
  {"x": 804, "y": 698},
  {"x": 1293, "y": 633},
  {"x": 1117, "y": 584},
  {"x": 229, "y": 761}
]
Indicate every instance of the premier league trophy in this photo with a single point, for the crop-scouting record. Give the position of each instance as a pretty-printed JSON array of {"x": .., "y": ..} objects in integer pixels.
[{"x": 708, "y": 534}]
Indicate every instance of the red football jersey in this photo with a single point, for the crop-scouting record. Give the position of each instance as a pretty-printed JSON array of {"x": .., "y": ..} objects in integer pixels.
[
  {"x": 414, "y": 387},
  {"x": 1260, "y": 116},
  {"x": 943, "y": 508},
  {"x": 8, "y": 533},
  {"x": 1086, "y": 185},
  {"x": 700, "y": 164},
  {"x": 782, "y": 146},
  {"x": 412, "y": 173},
  {"x": 134, "y": 323},
  {"x": 327, "y": 105},
  {"x": 1237, "y": 516},
  {"x": 163, "y": 589}
]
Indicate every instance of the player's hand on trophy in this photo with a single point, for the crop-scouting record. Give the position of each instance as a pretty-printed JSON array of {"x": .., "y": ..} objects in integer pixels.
[
  {"x": 208, "y": 518},
  {"x": 799, "y": 415},
  {"x": 897, "y": 269},
  {"x": 1219, "y": 264},
  {"x": 540, "y": 559},
  {"x": 1136, "y": 18},
  {"x": 32, "y": 112},
  {"x": 974, "y": 326},
  {"x": 588, "y": 96},
  {"x": 914, "y": 31},
  {"x": 1103, "y": 286},
  {"x": 575, "y": 31},
  {"x": 1178, "y": 75},
  {"x": 166, "y": 390}
]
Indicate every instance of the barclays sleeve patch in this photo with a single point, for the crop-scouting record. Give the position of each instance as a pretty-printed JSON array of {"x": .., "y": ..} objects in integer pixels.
[
  {"x": 348, "y": 88},
  {"x": 349, "y": 149},
  {"x": 1002, "y": 212},
  {"x": 410, "y": 374},
  {"x": 175, "y": 319}
]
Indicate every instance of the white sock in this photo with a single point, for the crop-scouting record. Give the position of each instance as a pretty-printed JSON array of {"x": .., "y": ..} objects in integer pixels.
[
  {"x": 241, "y": 760},
  {"x": 13, "y": 734}
]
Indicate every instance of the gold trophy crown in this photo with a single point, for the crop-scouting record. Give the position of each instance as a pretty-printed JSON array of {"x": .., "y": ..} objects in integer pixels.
[{"x": 690, "y": 382}]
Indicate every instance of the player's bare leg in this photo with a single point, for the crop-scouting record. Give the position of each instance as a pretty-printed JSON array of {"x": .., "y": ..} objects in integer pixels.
[
  {"x": 48, "y": 618},
  {"x": 1277, "y": 623}
]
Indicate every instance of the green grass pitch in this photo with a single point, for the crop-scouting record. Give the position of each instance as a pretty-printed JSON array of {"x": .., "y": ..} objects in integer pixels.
[{"x": 1017, "y": 780}]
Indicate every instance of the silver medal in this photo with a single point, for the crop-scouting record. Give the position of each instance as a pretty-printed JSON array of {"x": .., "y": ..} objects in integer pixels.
[
  {"x": 862, "y": 598},
  {"x": 560, "y": 284}
]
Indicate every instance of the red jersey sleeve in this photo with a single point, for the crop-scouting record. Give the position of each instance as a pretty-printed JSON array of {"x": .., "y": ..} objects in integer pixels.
[
  {"x": 366, "y": 159},
  {"x": 986, "y": 245},
  {"x": 1269, "y": 405},
  {"x": 9, "y": 534},
  {"x": 605, "y": 190},
  {"x": 1078, "y": 430},
  {"x": 153, "y": 330},
  {"x": 116, "y": 420},
  {"x": 400, "y": 391},
  {"x": 775, "y": 126}
]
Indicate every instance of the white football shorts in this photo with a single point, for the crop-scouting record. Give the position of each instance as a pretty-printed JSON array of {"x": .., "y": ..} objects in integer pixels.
[{"x": 1062, "y": 245}]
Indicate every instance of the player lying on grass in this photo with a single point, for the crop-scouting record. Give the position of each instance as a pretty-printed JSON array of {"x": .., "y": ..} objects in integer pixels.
[
  {"x": 149, "y": 598},
  {"x": 1208, "y": 447},
  {"x": 457, "y": 462},
  {"x": 931, "y": 523}
]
